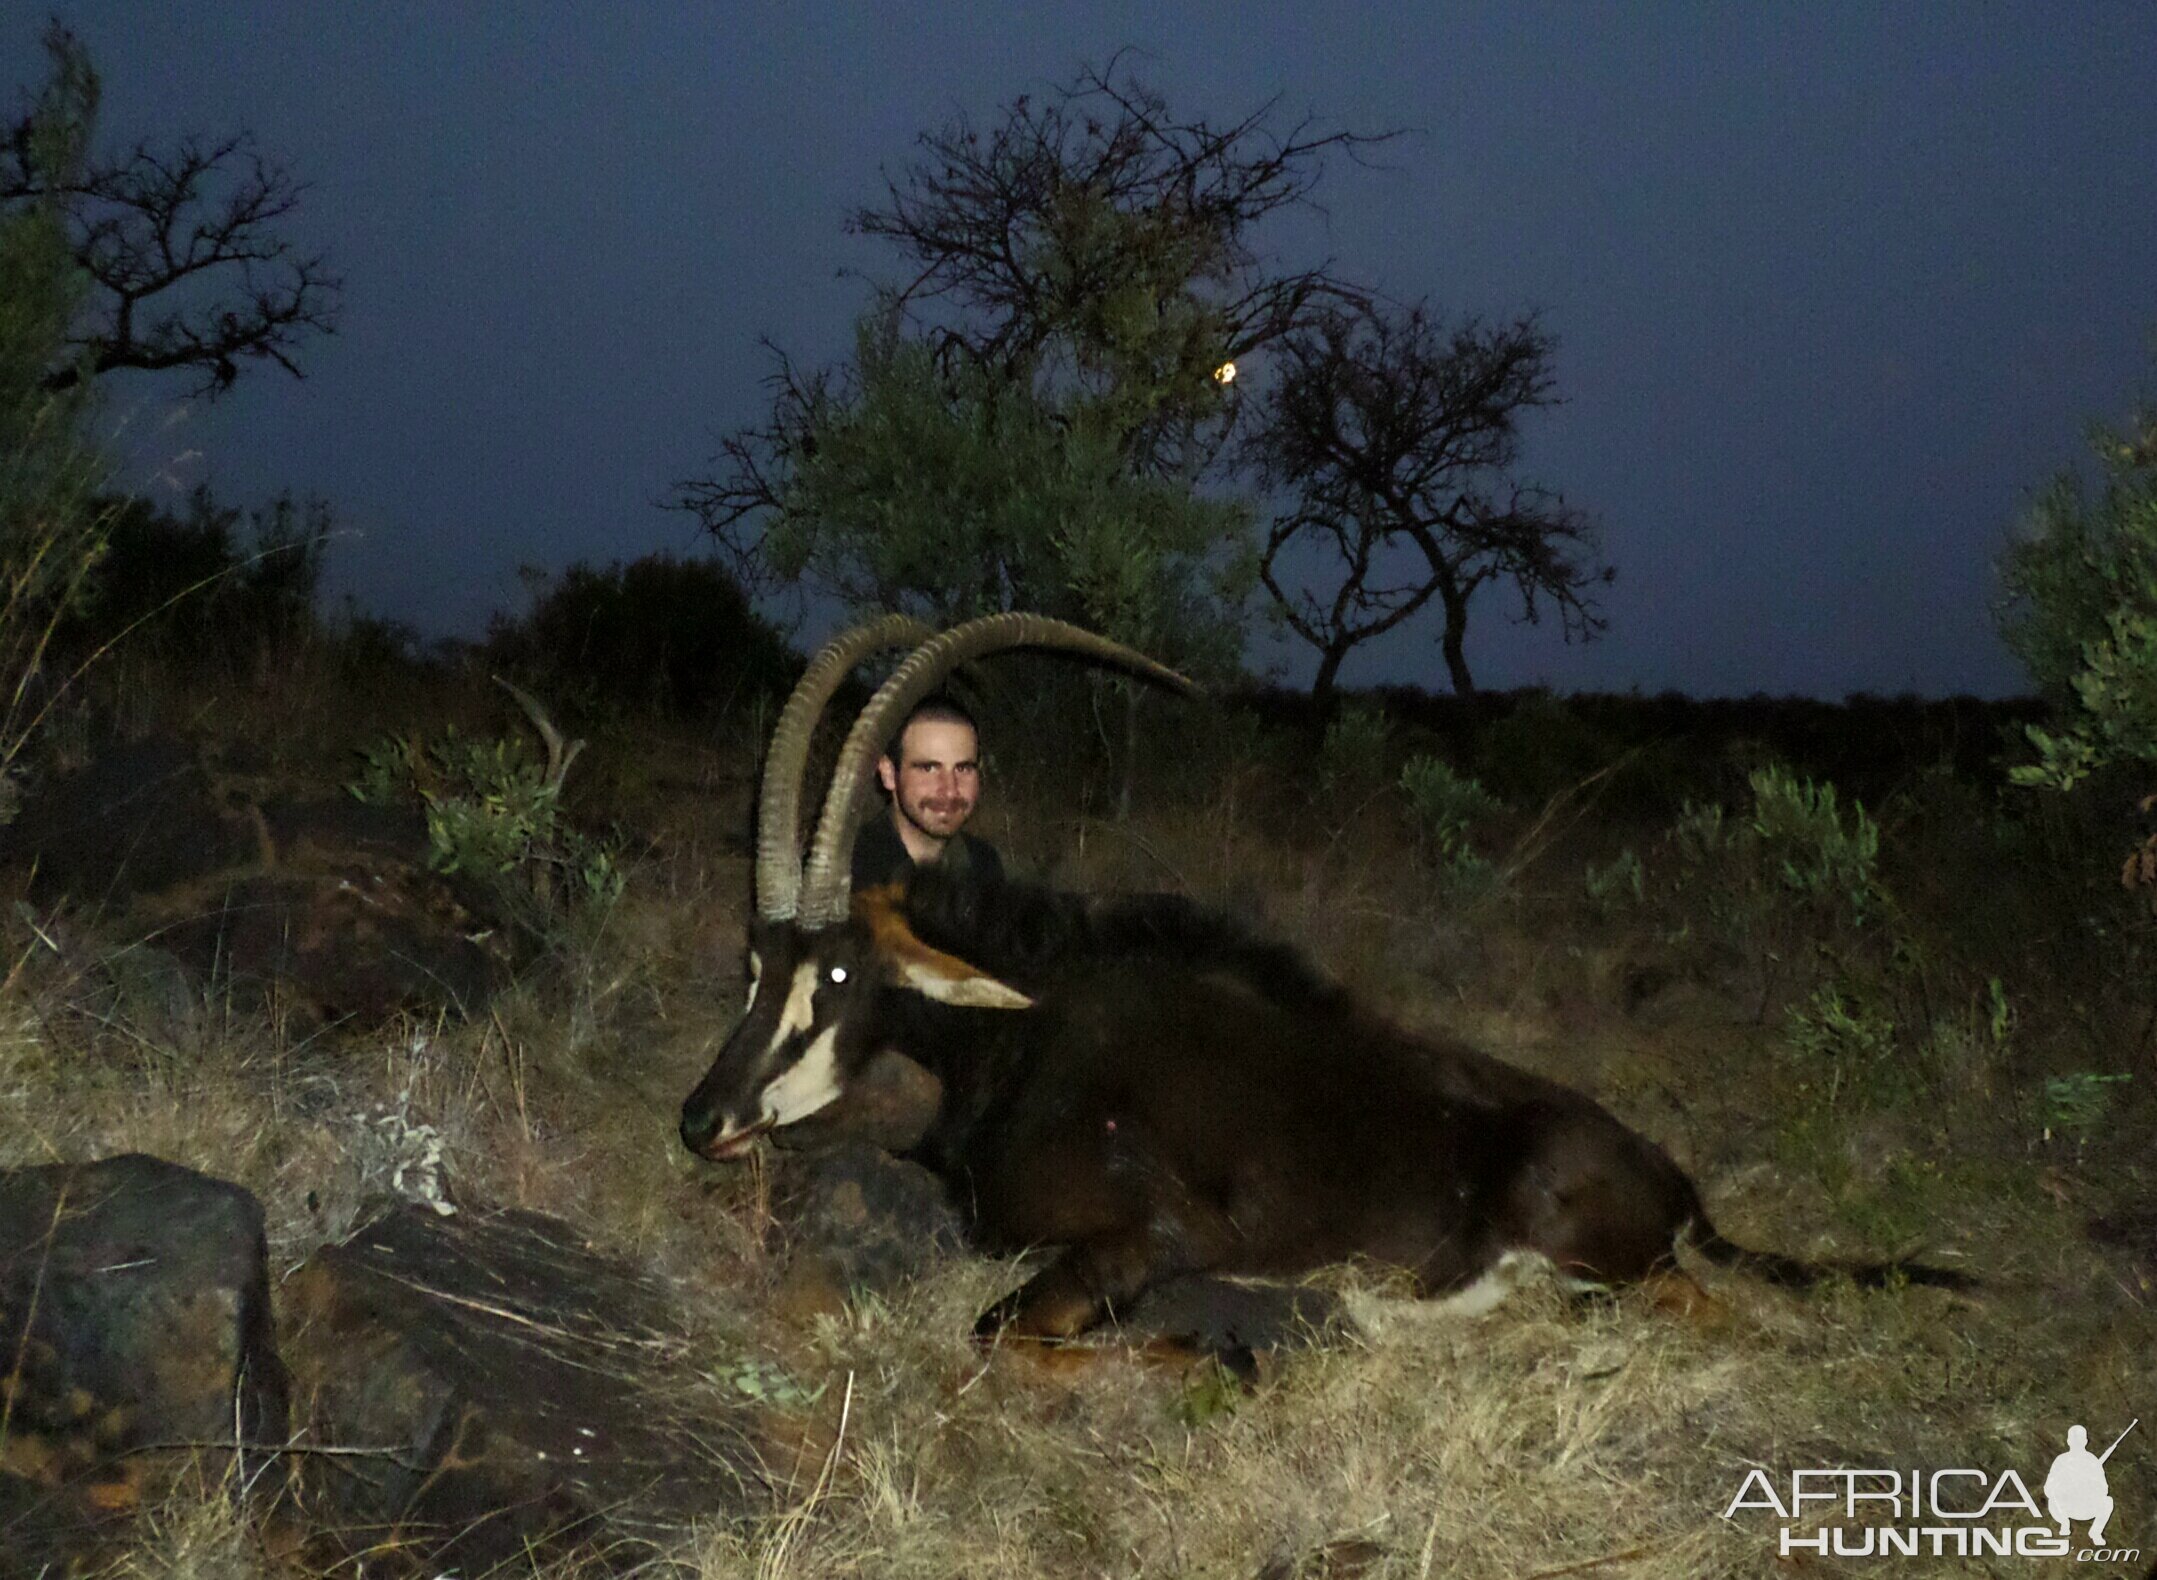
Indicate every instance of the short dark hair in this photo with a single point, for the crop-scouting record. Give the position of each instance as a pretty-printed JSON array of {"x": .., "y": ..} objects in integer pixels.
[{"x": 936, "y": 708}]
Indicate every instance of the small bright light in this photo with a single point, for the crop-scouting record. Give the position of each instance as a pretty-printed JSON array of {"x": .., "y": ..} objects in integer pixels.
[
  {"x": 838, "y": 974},
  {"x": 1225, "y": 374}
]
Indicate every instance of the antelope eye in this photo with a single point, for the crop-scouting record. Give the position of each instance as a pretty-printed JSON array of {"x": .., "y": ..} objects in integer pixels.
[{"x": 838, "y": 974}]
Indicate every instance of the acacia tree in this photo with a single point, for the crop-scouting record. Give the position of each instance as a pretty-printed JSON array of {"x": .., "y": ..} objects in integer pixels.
[
  {"x": 1097, "y": 234},
  {"x": 1396, "y": 437},
  {"x": 181, "y": 247},
  {"x": 1077, "y": 274}
]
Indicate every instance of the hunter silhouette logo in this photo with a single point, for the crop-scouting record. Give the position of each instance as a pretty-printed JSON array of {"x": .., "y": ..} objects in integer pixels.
[
  {"x": 2075, "y": 1487},
  {"x": 1954, "y": 1512}
]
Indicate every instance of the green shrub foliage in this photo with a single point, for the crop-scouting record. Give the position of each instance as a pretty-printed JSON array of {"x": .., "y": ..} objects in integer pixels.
[
  {"x": 1444, "y": 805},
  {"x": 2082, "y": 611},
  {"x": 961, "y": 490},
  {"x": 493, "y": 815},
  {"x": 1813, "y": 852}
]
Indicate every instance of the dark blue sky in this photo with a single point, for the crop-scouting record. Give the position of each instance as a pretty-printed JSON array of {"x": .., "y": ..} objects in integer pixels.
[{"x": 1834, "y": 285}]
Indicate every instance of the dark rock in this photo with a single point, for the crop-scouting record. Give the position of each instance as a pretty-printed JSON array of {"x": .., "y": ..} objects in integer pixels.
[
  {"x": 1642, "y": 984},
  {"x": 145, "y": 987},
  {"x": 353, "y": 943},
  {"x": 1221, "y": 1316},
  {"x": 136, "y": 1308},
  {"x": 515, "y": 1385},
  {"x": 336, "y": 827},
  {"x": 1344, "y": 1559},
  {"x": 139, "y": 819},
  {"x": 319, "y": 903},
  {"x": 2131, "y": 1227},
  {"x": 868, "y": 1219}
]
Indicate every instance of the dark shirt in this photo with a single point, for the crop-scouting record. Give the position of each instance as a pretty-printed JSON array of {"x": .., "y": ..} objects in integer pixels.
[{"x": 881, "y": 857}]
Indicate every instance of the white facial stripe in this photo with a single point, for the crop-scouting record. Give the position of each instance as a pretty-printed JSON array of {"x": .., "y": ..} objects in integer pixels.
[
  {"x": 756, "y": 976},
  {"x": 799, "y": 1010},
  {"x": 810, "y": 1083}
]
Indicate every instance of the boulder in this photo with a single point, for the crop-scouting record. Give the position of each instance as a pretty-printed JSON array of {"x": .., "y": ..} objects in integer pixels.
[
  {"x": 497, "y": 1390},
  {"x": 851, "y": 1217},
  {"x": 135, "y": 1300},
  {"x": 316, "y": 902},
  {"x": 354, "y": 943},
  {"x": 140, "y": 818},
  {"x": 310, "y": 830}
]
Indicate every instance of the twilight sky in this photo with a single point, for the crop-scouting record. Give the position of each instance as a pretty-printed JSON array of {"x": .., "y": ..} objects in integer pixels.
[{"x": 1834, "y": 285}]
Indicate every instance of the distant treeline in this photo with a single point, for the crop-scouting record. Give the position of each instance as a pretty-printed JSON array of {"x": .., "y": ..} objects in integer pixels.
[
  {"x": 680, "y": 637},
  {"x": 1532, "y": 743}
]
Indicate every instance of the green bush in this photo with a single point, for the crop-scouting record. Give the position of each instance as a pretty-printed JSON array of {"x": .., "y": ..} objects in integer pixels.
[
  {"x": 954, "y": 487},
  {"x": 1779, "y": 884},
  {"x": 1540, "y": 748},
  {"x": 1352, "y": 757},
  {"x": 493, "y": 814},
  {"x": 2082, "y": 572},
  {"x": 1849, "y": 1046},
  {"x": 2076, "y": 1105},
  {"x": 1444, "y": 805},
  {"x": 1815, "y": 855},
  {"x": 1623, "y": 881},
  {"x": 1701, "y": 832},
  {"x": 2081, "y": 612}
]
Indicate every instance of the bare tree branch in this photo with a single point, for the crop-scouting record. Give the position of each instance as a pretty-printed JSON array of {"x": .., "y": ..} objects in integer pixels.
[
  {"x": 1396, "y": 435},
  {"x": 987, "y": 220},
  {"x": 185, "y": 248}
]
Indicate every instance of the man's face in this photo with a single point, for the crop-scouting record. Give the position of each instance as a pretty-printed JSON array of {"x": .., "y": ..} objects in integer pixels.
[{"x": 936, "y": 783}]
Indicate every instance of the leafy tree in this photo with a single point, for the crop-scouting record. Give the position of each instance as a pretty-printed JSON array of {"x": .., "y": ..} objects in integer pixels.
[
  {"x": 2081, "y": 613},
  {"x": 1396, "y": 437},
  {"x": 960, "y": 492},
  {"x": 1028, "y": 417},
  {"x": 51, "y": 530},
  {"x": 182, "y": 246}
]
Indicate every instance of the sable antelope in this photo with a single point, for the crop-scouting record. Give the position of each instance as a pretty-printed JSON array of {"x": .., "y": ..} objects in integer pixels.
[{"x": 1150, "y": 1085}]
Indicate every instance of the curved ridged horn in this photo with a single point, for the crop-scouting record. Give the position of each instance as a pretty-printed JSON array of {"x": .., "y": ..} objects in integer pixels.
[
  {"x": 778, "y": 825},
  {"x": 826, "y": 875}
]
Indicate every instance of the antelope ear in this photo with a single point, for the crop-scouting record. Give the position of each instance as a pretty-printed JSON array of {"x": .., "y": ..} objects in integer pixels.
[
  {"x": 910, "y": 963},
  {"x": 964, "y": 986}
]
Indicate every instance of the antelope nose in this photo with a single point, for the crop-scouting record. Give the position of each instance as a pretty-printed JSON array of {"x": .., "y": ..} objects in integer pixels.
[{"x": 698, "y": 1129}]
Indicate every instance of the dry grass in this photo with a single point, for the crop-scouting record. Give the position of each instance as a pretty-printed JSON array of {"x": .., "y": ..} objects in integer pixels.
[{"x": 1543, "y": 1440}]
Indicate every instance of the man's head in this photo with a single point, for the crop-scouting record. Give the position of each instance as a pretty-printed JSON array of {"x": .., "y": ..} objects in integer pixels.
[
  {"x": 2078, "y": 1437},
  {"x": 933, "y": 773}
]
